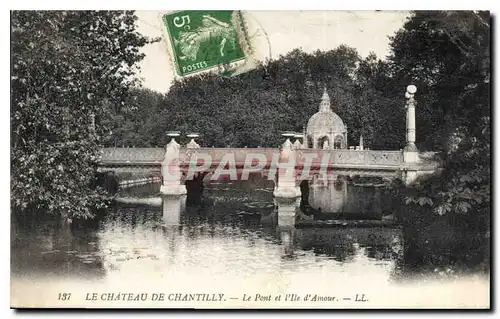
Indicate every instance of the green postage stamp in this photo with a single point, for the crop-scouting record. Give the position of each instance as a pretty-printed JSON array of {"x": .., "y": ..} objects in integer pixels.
[{"x": 206, "y": 40}]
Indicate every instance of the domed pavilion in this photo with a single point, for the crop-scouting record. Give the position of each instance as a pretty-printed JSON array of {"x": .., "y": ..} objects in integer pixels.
[{"x": 325, "y": 129}]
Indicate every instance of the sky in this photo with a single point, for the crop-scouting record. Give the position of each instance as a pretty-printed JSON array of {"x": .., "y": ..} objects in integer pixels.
[{"x": 274, "y": 33}]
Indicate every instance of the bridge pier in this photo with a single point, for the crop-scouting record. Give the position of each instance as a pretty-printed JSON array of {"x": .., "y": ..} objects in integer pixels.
[
  {"x": 287, "y": 211},
  {"x": 171, "y": 171},
  {"x": 173, "y": 207},
  {"x": 286, "y": 181},
  {"x": 410, "y": 170},
  {"x": 173, "y": 189},
  {"x": 287, "y": 194}
]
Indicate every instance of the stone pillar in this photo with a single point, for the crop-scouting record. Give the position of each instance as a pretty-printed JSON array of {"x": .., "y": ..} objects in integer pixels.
[
  {"x": 304, "y": 138},
  {"x": 287, "y": 194},
  {"x": 410, "y": 176},
  {"x": 297, "y": 145},
  {"x": 287, "y": 211},
  {"x": 410, "y": 151},
  {"x": 346, "y": 143},
  {"x": 287, "y": 175},
  {"x": 171, "y": 171},
  {"x": 192, "y": 144}
]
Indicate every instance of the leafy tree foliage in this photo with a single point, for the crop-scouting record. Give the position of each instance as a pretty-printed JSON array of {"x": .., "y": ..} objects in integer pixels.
[
  {"x": 447, "y": 55},
  {"x": 254, "y": 108},
  {"x": 69, "y": 71}
]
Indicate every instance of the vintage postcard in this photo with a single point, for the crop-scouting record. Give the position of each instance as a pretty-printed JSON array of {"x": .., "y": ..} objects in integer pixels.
[{"x": 250, "y": 159}]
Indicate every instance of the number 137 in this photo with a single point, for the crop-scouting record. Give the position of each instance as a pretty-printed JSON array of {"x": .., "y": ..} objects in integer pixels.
[{"x": 64, "y": 296}]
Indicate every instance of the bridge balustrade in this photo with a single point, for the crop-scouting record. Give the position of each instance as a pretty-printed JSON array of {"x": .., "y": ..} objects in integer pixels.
[
  {"x": 131, "y": 155},
  {"x": 354, "y": 157},
  {"x": 340, "y": 157}
]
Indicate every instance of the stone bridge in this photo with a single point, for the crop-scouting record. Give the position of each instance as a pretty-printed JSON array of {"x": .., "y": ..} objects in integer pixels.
[
  {"x": 237, "y": 163},
  {"x": 183, "y": 169},
  {"x": 287, "y": 166}
]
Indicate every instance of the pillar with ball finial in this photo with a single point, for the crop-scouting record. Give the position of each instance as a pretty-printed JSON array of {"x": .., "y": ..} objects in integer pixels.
[{"x": 410, "y": 151}]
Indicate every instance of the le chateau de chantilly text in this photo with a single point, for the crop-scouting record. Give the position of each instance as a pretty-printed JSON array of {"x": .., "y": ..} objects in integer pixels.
[{"x": 214, "y": 297}]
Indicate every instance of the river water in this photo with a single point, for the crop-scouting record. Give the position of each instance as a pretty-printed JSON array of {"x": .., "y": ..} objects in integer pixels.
[{"x": 229, "y": 247}]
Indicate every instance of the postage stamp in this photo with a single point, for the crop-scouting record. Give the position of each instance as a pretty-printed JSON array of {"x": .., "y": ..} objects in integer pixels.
[{"x": 205, "y": 40}]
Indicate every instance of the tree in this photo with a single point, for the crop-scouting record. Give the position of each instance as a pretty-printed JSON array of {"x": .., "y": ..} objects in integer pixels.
[
  {"x": 380, "y": 103},
  {"x": 254, "y": 108},
  {"x": 446, "y": 54},
  {"x": 132, "y": 124},
  {"x": 69, "y": 70}
]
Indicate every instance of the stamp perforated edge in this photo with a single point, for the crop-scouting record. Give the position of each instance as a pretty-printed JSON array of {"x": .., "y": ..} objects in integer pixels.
[{"x": 244, "y": 64}]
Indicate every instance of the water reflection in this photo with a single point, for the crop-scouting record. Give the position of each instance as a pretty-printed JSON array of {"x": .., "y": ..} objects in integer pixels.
[
  {"x": 328, "y": 195},
  {"x": 341, "y": 198},
  {"x": 287, "y": 240},
  {"x": 235, "y": 231},
  {"x": 286, "y": 211},
  {"x": 47, "y": 247},
  {"x": 173, "y": 207}
]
